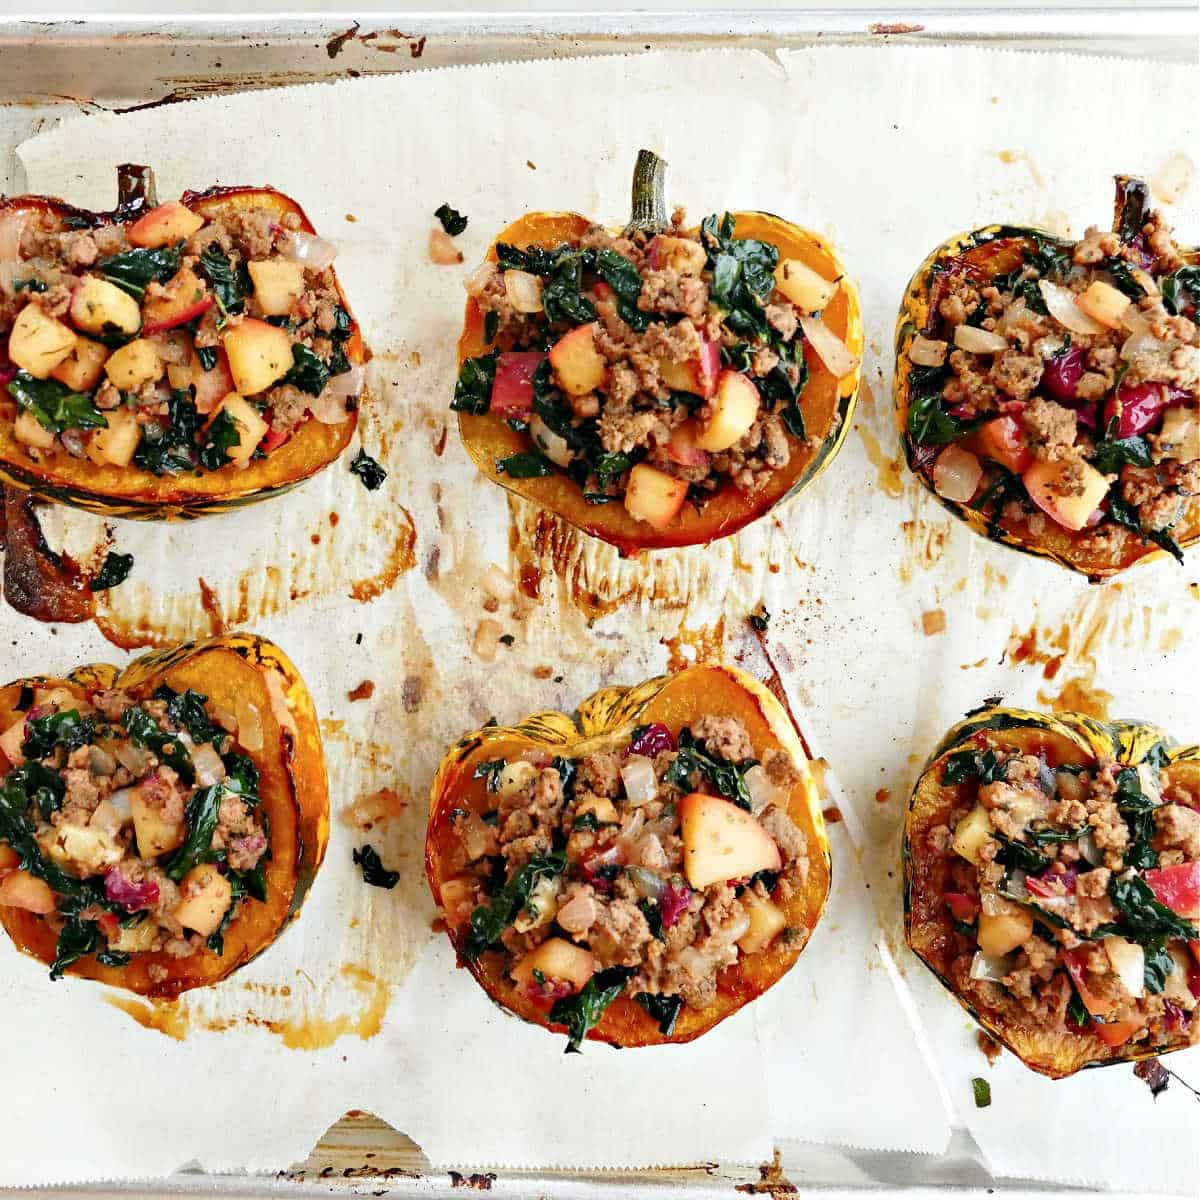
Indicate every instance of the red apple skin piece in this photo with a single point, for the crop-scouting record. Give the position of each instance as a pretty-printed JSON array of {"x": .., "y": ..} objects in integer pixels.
[
  {"x": 164, "y": 226},
  {"x": 512, "y": 387},
  {"x": 20, "y": 889},
  {"x": 578, "y": 365},
  {"x": 722, "y": 842},
  {"x": 698, "y": 375},
  {"x": 682, "y": 448},
  {"x": 654, "y": 496}
]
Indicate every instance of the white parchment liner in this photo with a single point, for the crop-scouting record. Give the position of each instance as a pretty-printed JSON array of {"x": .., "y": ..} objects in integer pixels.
[{"x": 885, "y": 151}]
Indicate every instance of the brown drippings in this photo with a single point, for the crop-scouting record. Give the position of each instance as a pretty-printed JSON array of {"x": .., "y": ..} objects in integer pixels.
[
  {"x": 367, "y": 811},
  {"x": 933, "y": 622},
  {"x": 1027, "y": 648},
  {"x": 163, "y": 1016},
  {"x": 706, "y": 645},
  {"x": 883, "y": 795},
  {"x": 990, "y": 1048},
  {"x": 364, "y": 691},
  {"x": 925, "y": 542},
  {"x": 208, "y": 602},
  {"x": 400, "y": 559},
  {"x": 439, "y": 443},
  {"x": 316, "y": 1033},
  {"x": 476, "y": 1182},
  {"x": 37, "y": 582},
  {"x": 881, "y": 29},
  {"x": 890, "y": 472},
  {"x": 136, "y": 636},
  {"x": 832, "y": 814},
  {"x": 1013, "y": 157},
  {"x": 1079, "y": 695},
  {"x": 771, "y": 1180}
]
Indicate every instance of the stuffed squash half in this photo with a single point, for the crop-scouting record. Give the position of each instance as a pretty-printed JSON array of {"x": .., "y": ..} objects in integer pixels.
[
  {"x": 1052, "y": 883},
  {"x": 658, "y": 385},
  {"x": 638, "y": 876},
  {"x": 167, "y": 360},
  {"x": 1047, "y": 389},
  {"x": 160, "y": 826}
]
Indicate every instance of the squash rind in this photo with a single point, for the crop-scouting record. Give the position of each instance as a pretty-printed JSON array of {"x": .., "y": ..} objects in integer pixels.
[
  {"x": 606, "y": 718},
  {"x": 294, "y": 792},
  {"x": 487, "y": 438}
]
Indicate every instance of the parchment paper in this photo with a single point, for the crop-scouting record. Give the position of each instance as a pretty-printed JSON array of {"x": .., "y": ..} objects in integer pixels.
[{"x": 887, "y": 152}]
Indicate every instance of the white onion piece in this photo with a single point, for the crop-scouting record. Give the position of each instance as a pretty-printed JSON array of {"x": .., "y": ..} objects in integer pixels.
[
  {"x": 1089, "y": 849},
  {"x": 120, "y": 800},
  {"x": 552, "y": 445},
  {"x": 630, "y": 836},
  {"x": 637, "y": 774},
  {"x": 693, "y": 962},
  {"x": 477, "y": 281},
  {"x": 310, "y": 251},
  {"x": 1148, "y": 778},
  {"x": 926, "y": 352},
  {"x": 979, "y": 341},
  {"x": 330, "y": 406},
  {"x": 134, "y": 759},
  {"x": 828, "y": 347},
  {"x": 249, "y": 726},
  {"x": 100, "y": 762},
  {"x": 956, "y": 474},
  {"x": 1134, "y": 320},
  {"x": 209, "y": 767},
  {"x": 734, "y": 928},
  {"x": 1128, "y": 960},
  {"x": 992, "y": 904},
  {"x": 989, "y": 967},
  {"x": 1060, "y": 302},
  {"x": 1016, "y": 313},
  {"x": 650, "y": 853},
  {"x": 762, "y": 791},
  {"x": 73, "y": 442},
  {"x": 1016, "y": 885},
  {"x": 648, "y": 885},
  {"x": 524, "y": 291}
]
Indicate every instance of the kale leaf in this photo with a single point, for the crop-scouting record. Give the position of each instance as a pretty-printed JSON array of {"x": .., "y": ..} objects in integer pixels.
[
  {"x": 488, "y": 922},
  {"x": 201, "y": 818},
  {"x": 664, "y": 1009},
  {"x": 743, "y": 272},
  {"x": 967, "y": 764},
  {"x": 373, "y": 870},
  {"x": 187, "y": 709},
  {"x": 114, "y": 570},
  {"x": 39, "y": 787},
  {"x": 1110, "y": 456},
  {"x": 1125, "y": 514},
  {"x": 930, "y": 423},
  {"x": 145, "y": 731},
  {"x": 77, "y": 939},
  {"x": 527, "y": 464},
  {"x": 230, "y": 285},
  {"x": 473, "y": 391},
  {"x": 1143, "y": 917},
  {"x": 54, "y": 405},
  {"x": 583, "y": 1011},
  {"x": 621, "y": 274},
  {"x": 368, "y": 470},
  {"x": 1018, "y": 856},
  {"x": 727, "y": 777},
  {"x": 308, "y": 372},
  {"x": 67, "y": 728},
  {"x": 134, "y": 270},
  {"x": 453, "y": 222},
  {"x": 170, "y": 448},
  {"x": 1181, "y": 290},
  {"x": 491, "y": 772},
  {"x": 222, "y": 434}
]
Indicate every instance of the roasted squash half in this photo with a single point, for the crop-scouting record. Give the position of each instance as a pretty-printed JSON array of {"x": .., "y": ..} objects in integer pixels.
[
  {"x": 497, "y": 431},
  {"x": 996, "y": 451},
  {"x": 598, "y": 1005},
  {"x": 260, "y": 693},
  {"x": 1064, "y": 974},
  {"x": 131, "y": 338}
]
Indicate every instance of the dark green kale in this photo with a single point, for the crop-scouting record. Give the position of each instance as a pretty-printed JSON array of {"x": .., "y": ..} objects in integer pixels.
[
  {"x": 68, "y": 729},
  {"x": 368, "y": 470},
  {"x": 930, "y": 423},
  {"x": 1125, "y": 514},
  {"x": 526, "y": 464},
  {"x": 622, "y": 276},
  {"x": 488, "y": 922},
  {"x": 222, "y": 434},
  {"x": 1141, "y": 917},
  {"x": 663, "y": 1009},
  {"x": 208, "y": 356},
  {"x": 583, "y": 1011},
  {"x": 728, "y": 778},
  {"x": 967, "y": 764},
  {"x": 453, "y": 222},
  {"x": 134, "y": 270},
  {"x": 200, "y": 816},
  {"x": 743, "y": 271},
  {"x": 145, "y": 731},
  {"x": 114, "y": 570},
  {"x": 1019, "y": 857},
  {"x": 54, "y": 405},
  {"x": 308, "y": 372},
  {"x": 1181, "y": 291},
  {"x": 170, "y": 448},
  {"x": 230, "y": 285},
  {"x": 373, "y": 870},
  {"x": 38, "y": 786},
  {"x": 473, "y": 391},
  {"x": 490, "y": 771}
]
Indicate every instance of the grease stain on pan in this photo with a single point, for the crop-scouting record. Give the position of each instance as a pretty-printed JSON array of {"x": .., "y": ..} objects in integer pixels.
[
  {"x": 924, "y": 546},
  {"x": 889, "y": 470},
  {"x": 691, "y": 646}
]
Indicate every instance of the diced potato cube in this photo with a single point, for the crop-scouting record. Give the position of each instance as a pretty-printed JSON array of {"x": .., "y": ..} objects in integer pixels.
[
  {"x": 134, "y": 364},
  {"x": 767, "y": 921},
  {"x": 117, "y": 443},
  {"x": 803, "y": 286},
  {"x": 207, "y": 895},
  {"x": 971, "y": 833},
  {"x": 1180, "y": 436},
  {"x": 155, "y": 835},
  {"x": 136, "y": 939},
  {"x": 38, "y": 342},
  {"x": 82, "y": 368}
]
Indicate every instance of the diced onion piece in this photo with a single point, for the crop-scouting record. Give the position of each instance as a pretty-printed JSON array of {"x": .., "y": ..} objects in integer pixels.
[
  {"x": 648, "y": 885},
  {"x": 1148, "y": 282},
  {"x": 497, "y": 582},
  {"x": 992, "y": 904},
  {"x": 209, "y": 767},
  {"x": 956, "y": 474},
  {"x": 442, "y": 250},
  {"x": 1016, "y": 889},
  {"x": 979, "y": 341},
  {"x": 524, "y": 291},
  {"x": 487, "y": 640},
  {"x": 733, "y": 929},
  {"x": 552, "y": 445},
  {"x": 637, "y": 774},
  {"x": 1060, "y": 303},
  {"x": 331, "y": 407},
  {"x": 307, "y": 249},
  {"x": 989, "y": 968},
  {"x": 121, "y": 802},
  {"x": 1089, "y": 849},
  {"x": 926, "y": 352},
  {"x": 134, "y": 759},
  {"x": 828, "y": 347},
  {"x": 762, "y": 791},
  {"x": 249, "y": 726},
  {"x": 1128, "y": 961},
  {"x": 100, "y": 762},
  {"x": 477, "y": 281}
]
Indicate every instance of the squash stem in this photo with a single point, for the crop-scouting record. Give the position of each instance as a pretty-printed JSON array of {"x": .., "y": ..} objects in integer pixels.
[
  {"x": 135, "y": 186},
  {"x": 1129, "y": 209},
  {"x": 649, "y": 194}
]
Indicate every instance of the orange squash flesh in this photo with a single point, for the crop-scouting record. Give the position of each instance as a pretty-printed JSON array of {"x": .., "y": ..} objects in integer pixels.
[
  {"x": 1062, "y": 739},
  {"x": 230, "y": 670},
  {"x": 605, "y": 720},
  {"x": 131, "y": 492},
  {"x": 826, "y": 402},
  {"x": 981, "y": 255}
]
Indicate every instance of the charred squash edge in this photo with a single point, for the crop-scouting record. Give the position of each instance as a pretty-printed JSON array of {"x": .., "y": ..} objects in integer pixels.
[
  {"x": 987, "y": 252},
  {"x": 606, "y": 719},
  {"x": 487, "y": 438},
  {"x": 130, "y": 492},
  {"x": 928, "y": 928},
  {"x": 297, "y": 804}
]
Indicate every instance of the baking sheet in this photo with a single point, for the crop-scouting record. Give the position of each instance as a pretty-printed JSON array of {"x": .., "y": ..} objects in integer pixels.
[{"x": 841, "y": 551}]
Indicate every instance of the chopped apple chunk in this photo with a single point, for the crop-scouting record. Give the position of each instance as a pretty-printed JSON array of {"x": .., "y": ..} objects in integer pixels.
[
  {"x": 39, "y": 342},
  {"x": 722, "y": 842}
]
